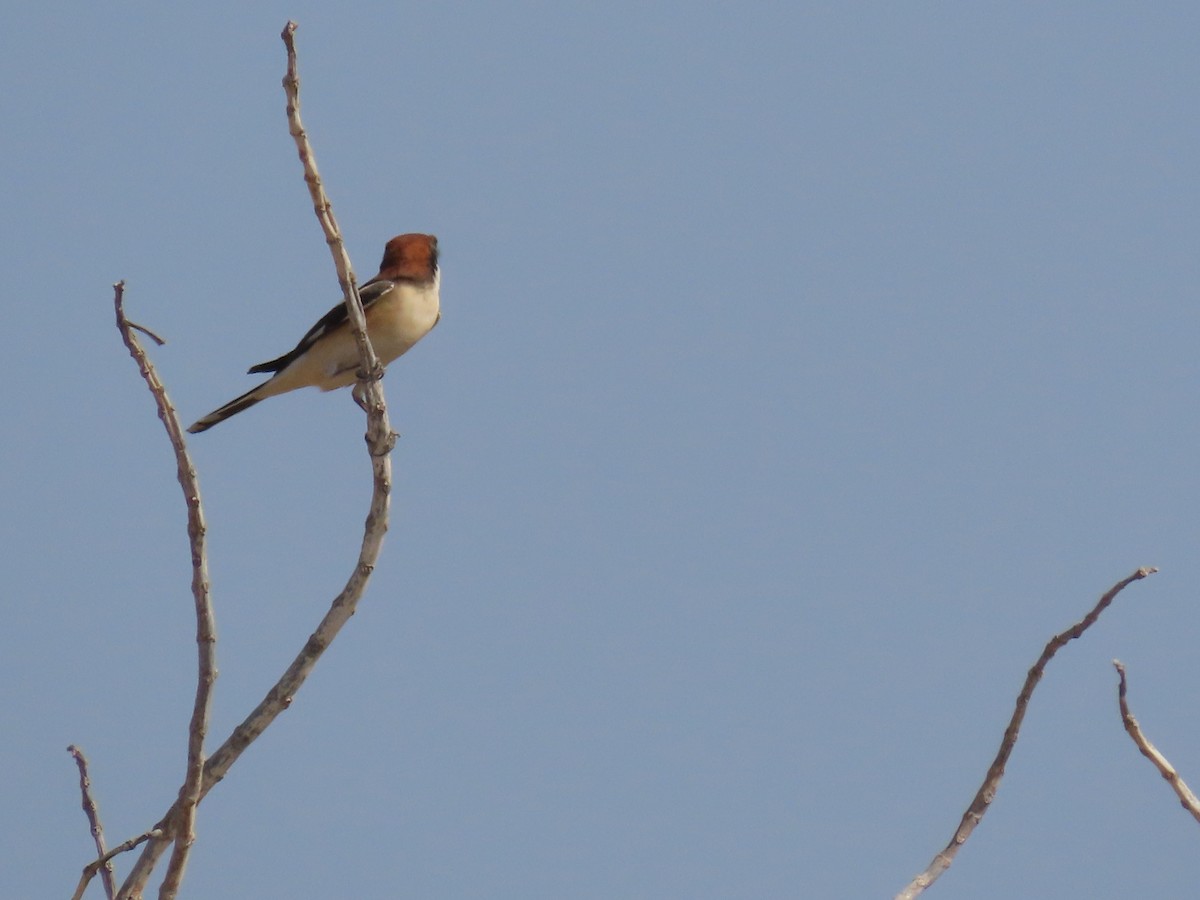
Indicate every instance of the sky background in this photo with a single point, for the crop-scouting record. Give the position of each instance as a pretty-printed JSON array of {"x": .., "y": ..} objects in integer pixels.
[{"x": 802, "y": 369}]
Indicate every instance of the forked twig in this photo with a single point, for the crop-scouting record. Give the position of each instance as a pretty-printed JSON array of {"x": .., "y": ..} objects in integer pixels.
[
  {"x": 147, "y": 332},
  {"x": 89, "y": 871},
  {"x": 181, "y": 827},
  {"x": 379, "y": 440},
  {"x": 991, "y": 783}
]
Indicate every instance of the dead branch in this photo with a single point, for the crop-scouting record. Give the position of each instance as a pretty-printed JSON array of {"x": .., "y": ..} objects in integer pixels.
[
  {"x": 181, "y": 827},
  {"x": 93, "y": 816},
  {"x": 991, "y": 783},
  {"x": 1186, "y": 798},
  {"x": 379, "y": 434},
  {"x": 89, "y": 871},
  {"x": 380, "y": 440}
]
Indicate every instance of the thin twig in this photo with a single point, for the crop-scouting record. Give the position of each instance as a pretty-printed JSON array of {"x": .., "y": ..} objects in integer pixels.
[
  {"x": 181, "y": 827},
  {"x": 148, "y": 333},
  {"x": 1186, "y": 798},
  {"x": 89, "y": 871},
  {"x": 379, "y": 435},
  {"x": 379, "y": 441},
  {"x": 991, "y": 783},
  {"x": 93, "y": 816}
]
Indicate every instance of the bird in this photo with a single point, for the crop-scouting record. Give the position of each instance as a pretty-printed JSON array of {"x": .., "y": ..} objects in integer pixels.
[{"x": 401, "y": 305}]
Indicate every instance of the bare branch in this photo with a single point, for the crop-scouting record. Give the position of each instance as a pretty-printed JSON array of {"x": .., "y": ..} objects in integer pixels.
[
  {"x": 380, "y": 440},
  {"x": 148, "y": 333},
  {"x": 89, "y": 871},
  {"x": 93, "y": 816},
  {"x": 991, "y": 783},
  {"x": 379, "y": 435},
  {"x": 1186, "y": 798},
  {"x": 181, "y": 827}
]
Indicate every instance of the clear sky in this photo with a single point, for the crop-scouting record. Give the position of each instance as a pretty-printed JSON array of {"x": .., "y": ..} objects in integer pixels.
[{"x": 803, "y": 368}]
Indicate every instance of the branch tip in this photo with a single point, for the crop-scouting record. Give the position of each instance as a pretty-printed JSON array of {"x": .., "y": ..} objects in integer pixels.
[
  {"x": 1187, "y": 799},
  {"x": 991, "y": 783},
  {"x": 180, "y": 825}
]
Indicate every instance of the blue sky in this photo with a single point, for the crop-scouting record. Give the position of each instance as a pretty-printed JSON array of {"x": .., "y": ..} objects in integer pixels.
[{"x": 803, "y": 368}]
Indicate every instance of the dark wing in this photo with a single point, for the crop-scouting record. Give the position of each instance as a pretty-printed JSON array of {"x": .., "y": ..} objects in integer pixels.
[{"x": 369, "y": 293}]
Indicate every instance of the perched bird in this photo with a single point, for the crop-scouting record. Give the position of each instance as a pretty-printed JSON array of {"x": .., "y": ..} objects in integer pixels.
[{"x": 401, "y": 304}]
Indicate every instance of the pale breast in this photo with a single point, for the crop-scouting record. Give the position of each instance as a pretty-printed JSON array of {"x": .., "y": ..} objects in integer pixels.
[
  {"x": 395, "y": 322},
  {"x": 401, "y": 317}
]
